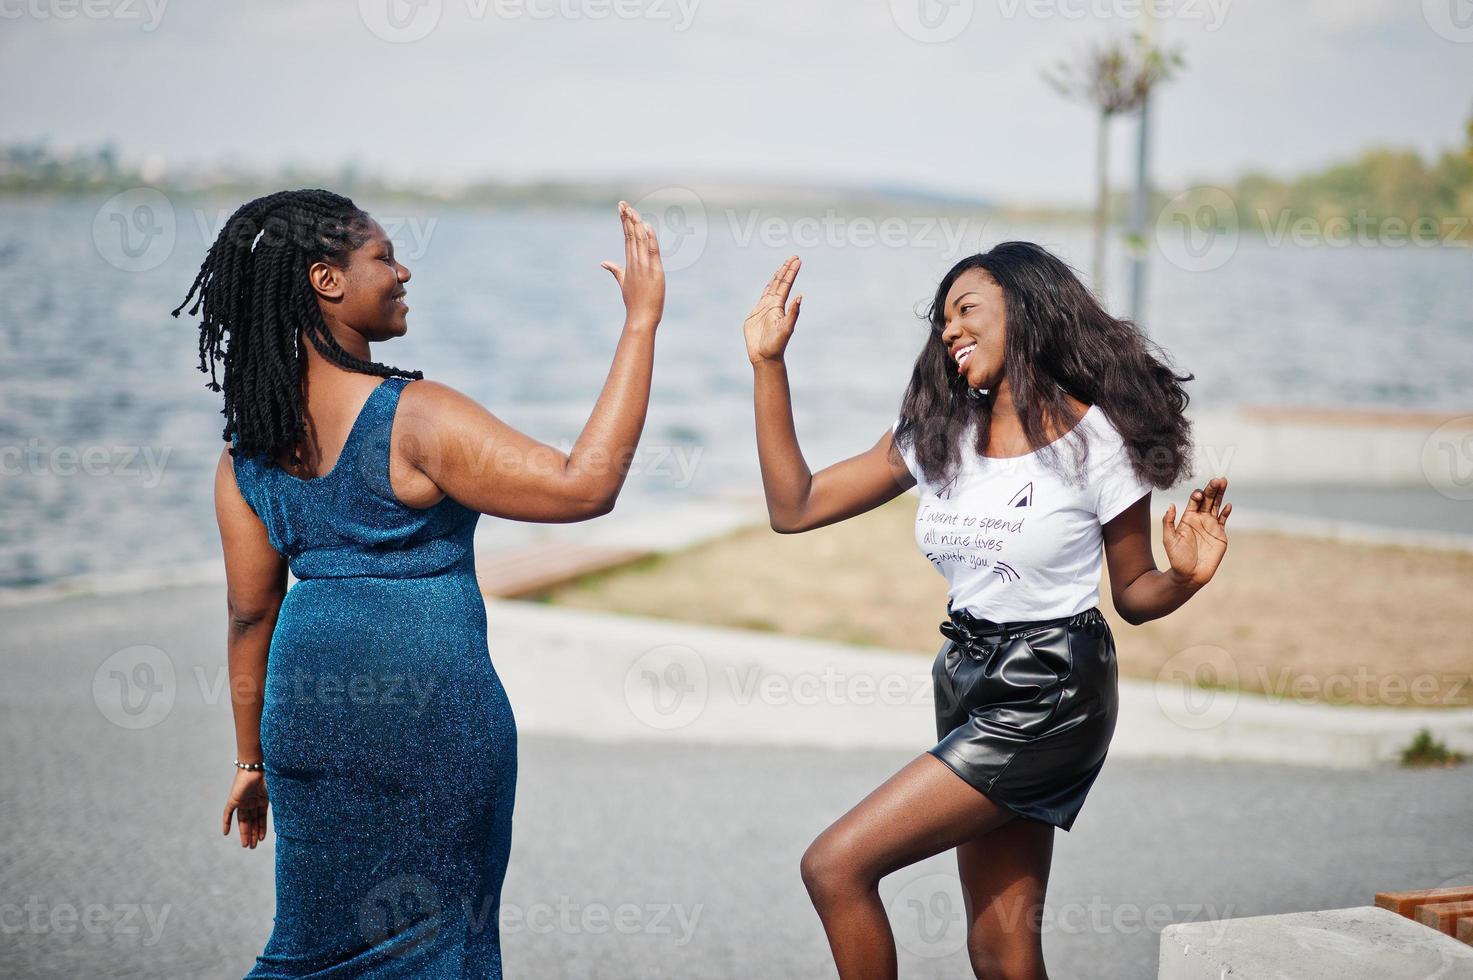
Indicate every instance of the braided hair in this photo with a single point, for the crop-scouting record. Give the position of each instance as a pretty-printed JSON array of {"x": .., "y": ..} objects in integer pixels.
[{"x": 253, "y": 286}]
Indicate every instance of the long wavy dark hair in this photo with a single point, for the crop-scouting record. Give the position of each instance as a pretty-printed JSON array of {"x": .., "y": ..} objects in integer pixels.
[
  {"x": 1059, "y": 339},
  {"x": 256, "y": 302}
]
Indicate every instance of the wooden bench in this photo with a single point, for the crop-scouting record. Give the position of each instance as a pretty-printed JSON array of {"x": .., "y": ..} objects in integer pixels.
[
  {"x": 1448, "y": 910},
  {"x": 1445, "y": 916}
]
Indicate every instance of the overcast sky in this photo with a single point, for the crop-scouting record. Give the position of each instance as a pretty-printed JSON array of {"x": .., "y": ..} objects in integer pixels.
[{"x": 937, "y": 94}]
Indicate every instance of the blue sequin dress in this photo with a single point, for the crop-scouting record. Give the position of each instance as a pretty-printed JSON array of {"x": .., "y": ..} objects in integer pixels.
[{"x": 389, "y": 744}]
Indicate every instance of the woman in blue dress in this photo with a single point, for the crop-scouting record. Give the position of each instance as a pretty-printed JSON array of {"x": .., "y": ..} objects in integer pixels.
[{"x": 367, "y": 709}]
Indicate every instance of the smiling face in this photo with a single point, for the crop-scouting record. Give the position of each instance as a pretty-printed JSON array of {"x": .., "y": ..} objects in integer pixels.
[
  {"x": 366, "y": 293},
  {"x": 975, "y": 330}
]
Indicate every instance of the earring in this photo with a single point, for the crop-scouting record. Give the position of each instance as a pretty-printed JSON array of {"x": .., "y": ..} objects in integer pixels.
[{"x": 977, "y": 394}]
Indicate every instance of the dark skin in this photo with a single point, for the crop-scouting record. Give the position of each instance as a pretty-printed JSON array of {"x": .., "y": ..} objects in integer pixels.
[
  {"x": 443, "y": 444},
  {"x": 926, "y": 808}
]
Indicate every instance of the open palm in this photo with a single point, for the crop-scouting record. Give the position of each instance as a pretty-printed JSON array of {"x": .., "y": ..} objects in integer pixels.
[
  {"x": 769, "y": 326},
  {"x": 1196, "y": 543}
]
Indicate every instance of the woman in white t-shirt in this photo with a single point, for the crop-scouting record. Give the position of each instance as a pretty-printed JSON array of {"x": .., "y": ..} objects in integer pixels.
[{"x": 1035, "y": 425}]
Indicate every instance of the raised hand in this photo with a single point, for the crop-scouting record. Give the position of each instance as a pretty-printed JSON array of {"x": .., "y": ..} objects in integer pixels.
[
  {"x": 248, "y": 803},
  {"x": 770, "y": 324},
  {"x": 642, "y": 276},
  {"x": 1195, "y": 544}
]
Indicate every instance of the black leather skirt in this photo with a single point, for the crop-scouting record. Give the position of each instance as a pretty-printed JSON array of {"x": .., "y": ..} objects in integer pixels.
[{"x": 1025, "y": 711}]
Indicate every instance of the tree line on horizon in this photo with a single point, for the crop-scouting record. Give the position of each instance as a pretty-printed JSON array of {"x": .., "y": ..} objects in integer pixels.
[{"x": 1382, "y": 183}]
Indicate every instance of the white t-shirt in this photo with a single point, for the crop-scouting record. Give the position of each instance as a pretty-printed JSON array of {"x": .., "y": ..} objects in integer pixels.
[{"x": 1017, "y": 542}]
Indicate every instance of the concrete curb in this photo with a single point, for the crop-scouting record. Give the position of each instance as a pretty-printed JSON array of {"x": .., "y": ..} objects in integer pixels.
[{"x": 627, "y": 678}]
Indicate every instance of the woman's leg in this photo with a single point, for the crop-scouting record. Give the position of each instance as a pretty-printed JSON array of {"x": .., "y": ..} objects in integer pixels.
[
  {"x": 922, "y": 810},
  {"x": 1004, "y": 876}
]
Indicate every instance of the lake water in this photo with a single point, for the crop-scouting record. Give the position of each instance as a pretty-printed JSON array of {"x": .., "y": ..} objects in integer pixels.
[{"x": 110, "y": 437}]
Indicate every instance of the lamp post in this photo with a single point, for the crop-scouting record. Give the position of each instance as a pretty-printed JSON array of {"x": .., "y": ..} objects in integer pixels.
[{"x": 1141, "y": 203}]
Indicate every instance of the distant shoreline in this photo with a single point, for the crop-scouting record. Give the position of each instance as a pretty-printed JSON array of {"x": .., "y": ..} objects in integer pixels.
[{"x": 1284, "y": 228}]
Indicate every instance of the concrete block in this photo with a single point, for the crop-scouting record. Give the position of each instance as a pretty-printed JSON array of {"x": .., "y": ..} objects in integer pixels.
[{"x": 1365, "y": 943}]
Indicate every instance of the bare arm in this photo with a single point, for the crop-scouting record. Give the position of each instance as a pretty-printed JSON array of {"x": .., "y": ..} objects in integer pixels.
[
  {"x": 1195, "y": 546},
  {"x": 487, "y": 465},
  {"x": 797, "y": 499},
  {"x": 255, "y": 584}
]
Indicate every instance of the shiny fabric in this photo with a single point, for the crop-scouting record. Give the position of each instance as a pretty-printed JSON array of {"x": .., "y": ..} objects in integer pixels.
[
  {"x": 1025, "y": 711},
  {"x": 389, "y": 744}
]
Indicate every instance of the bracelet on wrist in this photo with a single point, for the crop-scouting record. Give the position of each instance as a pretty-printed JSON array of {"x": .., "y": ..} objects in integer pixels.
[{"x": 250, "y": 766}]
